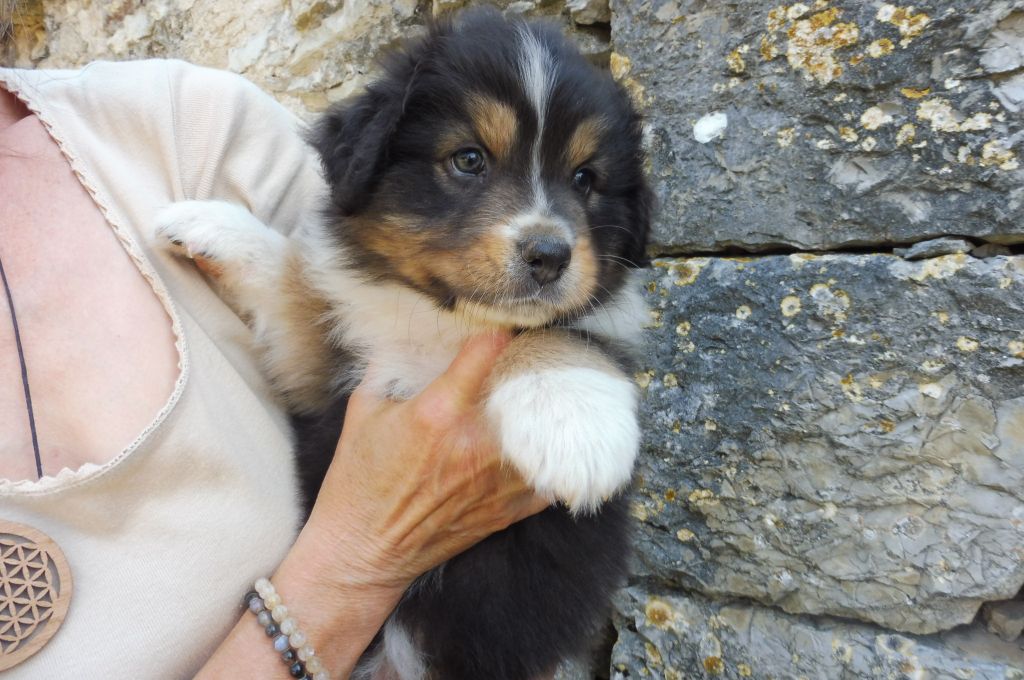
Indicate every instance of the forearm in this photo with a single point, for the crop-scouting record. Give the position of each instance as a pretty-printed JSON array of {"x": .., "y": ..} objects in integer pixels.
[{"x": 339, "y": 615}]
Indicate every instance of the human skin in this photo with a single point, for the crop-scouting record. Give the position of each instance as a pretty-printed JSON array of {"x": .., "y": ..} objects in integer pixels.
[{"x": 412, "y": 485}]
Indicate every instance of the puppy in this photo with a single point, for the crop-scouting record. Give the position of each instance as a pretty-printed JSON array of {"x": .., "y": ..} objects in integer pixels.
[{"x": 491, "y": 178}]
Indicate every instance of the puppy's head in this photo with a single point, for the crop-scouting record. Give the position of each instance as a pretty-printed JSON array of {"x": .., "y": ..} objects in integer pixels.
[{"x": 492, "y": 168}]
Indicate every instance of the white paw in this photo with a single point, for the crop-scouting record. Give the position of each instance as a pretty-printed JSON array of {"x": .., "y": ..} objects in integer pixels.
[
  {"x": 223, "y": 233},
  {"x": 571, "y": 432}
]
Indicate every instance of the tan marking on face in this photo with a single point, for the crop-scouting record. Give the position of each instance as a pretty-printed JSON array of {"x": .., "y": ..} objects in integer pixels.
[
  {"x": 584, "y": 142},
  {"x": 495, "y": 123}
]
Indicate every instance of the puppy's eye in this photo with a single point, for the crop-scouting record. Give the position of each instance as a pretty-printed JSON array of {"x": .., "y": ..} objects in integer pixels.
[
  {"x": 583, "y": 180},
  {"x": 469, "y": 161}
]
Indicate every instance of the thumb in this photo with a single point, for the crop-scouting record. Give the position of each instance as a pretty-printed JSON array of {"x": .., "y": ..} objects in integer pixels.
[{"x": 468, "y": 372}]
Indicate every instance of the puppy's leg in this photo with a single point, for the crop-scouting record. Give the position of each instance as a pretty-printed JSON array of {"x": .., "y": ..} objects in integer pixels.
[
  {"x": 566, "y": 418},
  {"x": 260, "y": 273}
]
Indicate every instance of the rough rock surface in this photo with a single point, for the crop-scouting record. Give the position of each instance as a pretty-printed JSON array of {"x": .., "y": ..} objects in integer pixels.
[
  {"x": 674, "y": 637},
  {"x": 849, "y": 122},
  {"x": 837, "y": 434}
]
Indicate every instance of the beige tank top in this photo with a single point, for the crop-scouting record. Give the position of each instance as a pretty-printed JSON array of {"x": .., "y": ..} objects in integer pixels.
[{"x": 164, "y": 539}]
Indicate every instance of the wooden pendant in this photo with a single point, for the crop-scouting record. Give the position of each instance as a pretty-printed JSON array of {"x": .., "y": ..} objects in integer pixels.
[{"x": 35, "y": 590}]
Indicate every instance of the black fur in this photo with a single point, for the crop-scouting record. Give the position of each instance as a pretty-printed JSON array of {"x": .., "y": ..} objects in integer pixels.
[{"x": 522, "y": 600}]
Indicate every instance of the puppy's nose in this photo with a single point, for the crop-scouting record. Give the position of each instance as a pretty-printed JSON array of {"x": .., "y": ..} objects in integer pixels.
[{"x": 547, "y": 257}]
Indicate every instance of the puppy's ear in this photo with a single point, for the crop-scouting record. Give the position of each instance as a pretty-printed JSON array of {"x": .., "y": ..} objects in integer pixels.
[
  {"x": 353, "y": 136},
  {"x": 642, "y": 206}
]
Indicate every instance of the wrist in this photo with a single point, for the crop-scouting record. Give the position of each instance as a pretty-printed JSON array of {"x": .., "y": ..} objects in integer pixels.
[{"x": 335, "y": 596}]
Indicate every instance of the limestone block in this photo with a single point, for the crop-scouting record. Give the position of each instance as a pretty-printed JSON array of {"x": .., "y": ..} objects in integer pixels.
[
  {"x": 674, "y": 636},
  {"x": 836, "y": 434},
  {"x": 849, "y": 122}
]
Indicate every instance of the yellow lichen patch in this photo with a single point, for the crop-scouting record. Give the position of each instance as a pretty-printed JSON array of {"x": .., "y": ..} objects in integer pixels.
[
  {"x": 848, "y": 134},
  {"x": 670, "y": 380},
  {"x": 659, "y": 613},
  {"x": 886, "y": 426},
  {"x": 842, "y": 651},
  {"x": 714, "y": 665},
  {"x": 702, "y": 497},
  {"x": 769, "y": 49},
  {"x": 683, "y": 328},
  {"x": 744, "y": 670},
  {"x": 942, "y": 316},
  {"x": 653, "y": 655},
  {"x": 743, "y": 312},
  {"x": 997, "y": 153},
  {"x": 906, "y": 134},
  {"x": 869, "y": 144},
  {"x": 785, "y": 137},
  {"x": 710, "y": 425},
  {"x": 776, "y": 19},
  {"x": 813, "y": 43},
  {"x": 686, "y": 272},
  {"x": 620, "y": 65},
  {"x": 1016, "y": 348},
  {"x": 939, "y": 113},
  {"x": 685, "y": 535},
  {"x": 909, "y": 23},
  {"x": 643, "y": 378},
  {"x": 655, "y": 318},
  {"x": 790, "y": 305},
  {"x": 880, "y": 48},
  {"x": 915, "y": 93},
  {"x": 966, "y": 344},
  {"x": 851, "y": 388},
  {"x": 874, "y": 118},
  {"x": 941, "y": 267},
  {"x": 734, "y": 60}
]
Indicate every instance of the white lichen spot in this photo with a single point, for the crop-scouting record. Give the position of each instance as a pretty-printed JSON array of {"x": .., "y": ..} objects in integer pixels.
[
  {"x": 1016, "y": 348},
  {"x": 638, "y": 510},
  {"x": 655, "y": 319},
  {"x": 874, "y": 118},
  {"x": 932, "y": 390},
  {"x": 966, "y": 344},
  {"x": 743, "y": 312},
  {"x": 796, "y": 11},
  {"x": 941, "y": 316},
  {"x": 951, "y": 84},
  {"x": 670, "y": 380},
  {"x": 847, "y": 134},
  {"x": 840, "y": 98},
  {"x": 686, "y": 347},
  {"x": 906, "y": 134},
  {"x": 790, "y": 305},
  {"x": 825, "y": 144},
  {"x": 710, "y": 127},
  {"x": 963, "y": 155},
  {"x": 710, "y": 425},
  {"x": 940, "y": 114},
  {"x": 909, "y": 23},
  {"x": 998, "y": 153},
  {"x": 869, "y": 144},
  {"x": 932, "y": 366},
  {"x": 979, "y": 121},
  {"x": 683, "y": 328},
  {"x": 785, "y": 137},
  {"x": 685, "y": 535},
  {"x": 880, "y": 48}
]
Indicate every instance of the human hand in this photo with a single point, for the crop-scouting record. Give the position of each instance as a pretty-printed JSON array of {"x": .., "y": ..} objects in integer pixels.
[{"x": 417, "y": 482}]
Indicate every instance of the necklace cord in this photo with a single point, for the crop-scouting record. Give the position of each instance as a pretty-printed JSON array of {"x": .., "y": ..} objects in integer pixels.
[{"x": 24, "y": 373}]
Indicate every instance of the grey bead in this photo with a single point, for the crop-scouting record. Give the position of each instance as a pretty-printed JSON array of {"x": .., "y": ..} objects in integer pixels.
[
  {"x": 264, "y": 618},
  {"x": 281, "y": 643}
]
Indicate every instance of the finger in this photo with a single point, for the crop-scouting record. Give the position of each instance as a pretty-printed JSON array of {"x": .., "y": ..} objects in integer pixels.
[
  {"x": 468, "y": 372},
  {"x": 361, "y": 403}
]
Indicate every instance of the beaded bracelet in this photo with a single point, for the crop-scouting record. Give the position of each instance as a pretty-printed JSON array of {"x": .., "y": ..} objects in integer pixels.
[{"x": 290, "y": 642}]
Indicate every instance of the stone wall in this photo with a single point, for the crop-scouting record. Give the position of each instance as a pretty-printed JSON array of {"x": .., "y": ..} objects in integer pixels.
[{"x": 832, "y": 483}]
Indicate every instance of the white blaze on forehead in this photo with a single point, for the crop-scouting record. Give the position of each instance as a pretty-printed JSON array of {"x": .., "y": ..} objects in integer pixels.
[{"x": 538, "y": 72}]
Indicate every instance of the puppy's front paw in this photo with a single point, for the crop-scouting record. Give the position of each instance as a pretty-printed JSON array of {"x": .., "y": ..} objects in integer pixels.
[
  {"x": 224, "y": 234},
  {"x": 571, "y": 432}
]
